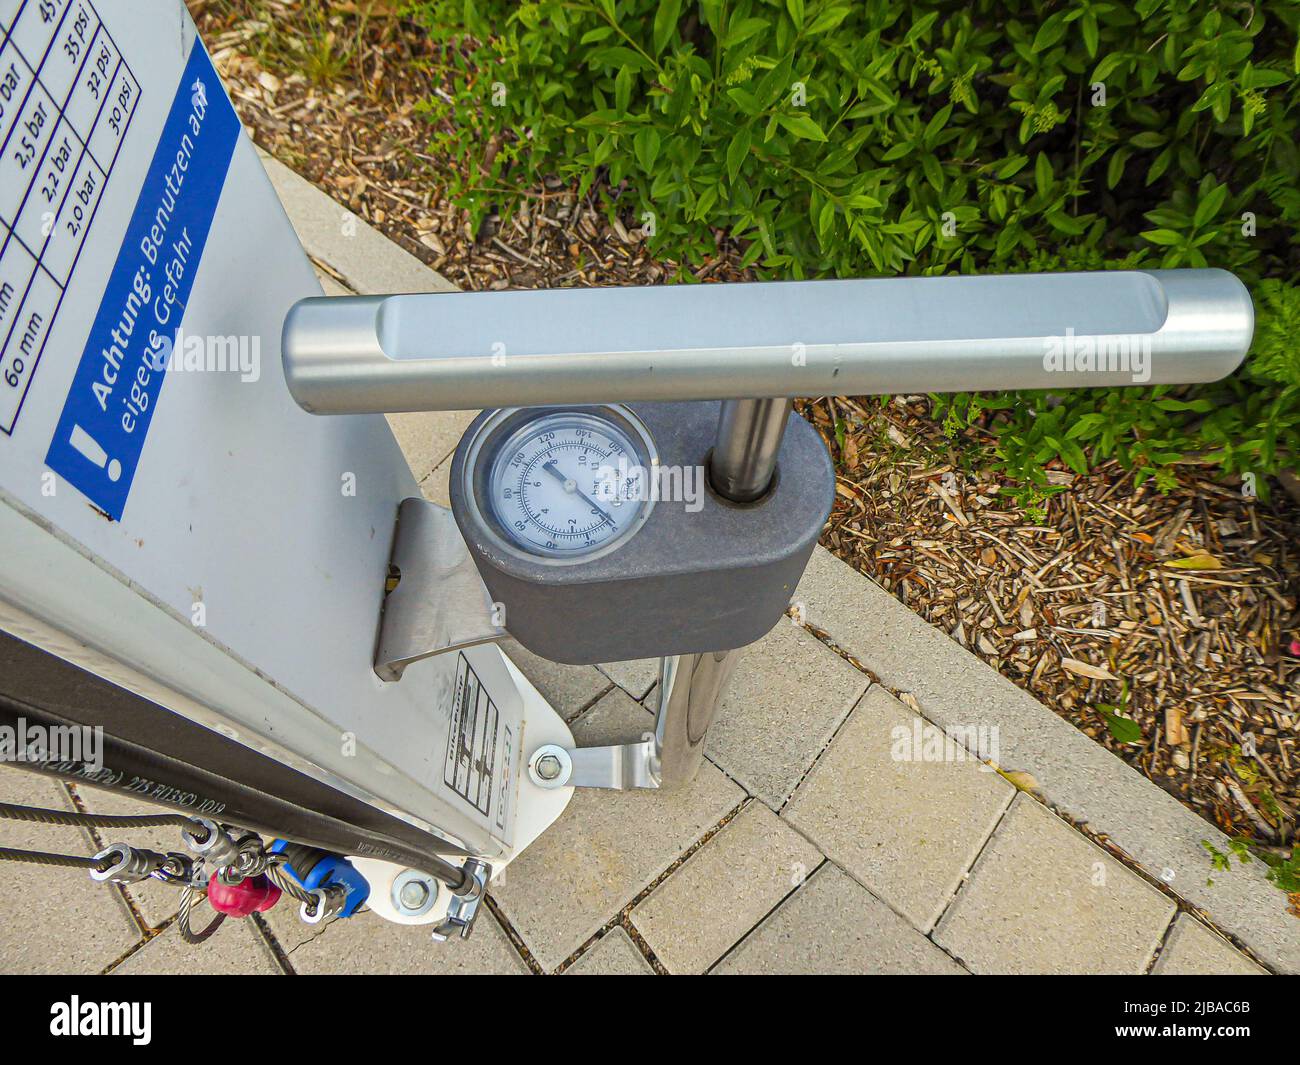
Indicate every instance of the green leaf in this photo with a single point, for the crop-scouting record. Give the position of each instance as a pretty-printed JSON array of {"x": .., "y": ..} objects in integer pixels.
[
  {"x": 860, "y": 201},
  {"x": 1064, "y": 223},
  {"x": 738, "y": 151},
  {"x": 1048, "y": 34},
  {"x": 617, "y": 56},
  {"x": 1115, "y": 168},
  {"x": 921, "y": 27},
  {"x": 1148, "y": 139},
  {"x": 1108, "y": 65},
  {"x": 1210, "y": 206},
  {"x": 1088, "y": 24},
  {"x": 796, "y": 9},
  {"x": 825, "y": 220},
  {"x": 706, "y": 201},
  {"x": 1217, "y": 98},
  {"x": 1164, "y": 237},
  {"x": 1085, "y": 425},
  {"x": 828, "y": 20},
  {"x": 1124, "y": 729},
  {"x": 646, "y": 146},
  {"x": 666, "y": 18},
  {"x": 623, "y": 90},
  {"x": 1044, "y": 178},
  {"x": 802, "y": 126},
  {"x": 1011, "y": 166},
  {"x": 1159, "y": 166},
  {"x": 933, "y": 172},
  {"x": 1260, "y": 78},
  {"x": 742, "y": 30}
]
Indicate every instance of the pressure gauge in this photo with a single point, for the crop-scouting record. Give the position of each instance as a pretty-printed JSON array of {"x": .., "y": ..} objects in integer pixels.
[{"x": 561, "y": 484}]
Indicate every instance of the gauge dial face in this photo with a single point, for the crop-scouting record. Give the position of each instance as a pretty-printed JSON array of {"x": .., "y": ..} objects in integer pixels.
[{"x": 569, "y": 484}]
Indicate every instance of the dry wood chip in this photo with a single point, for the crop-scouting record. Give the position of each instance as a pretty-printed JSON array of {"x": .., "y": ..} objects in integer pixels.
[
  {"x": 1175, "y": 731},
  {"x": 1086, "y": 669}
]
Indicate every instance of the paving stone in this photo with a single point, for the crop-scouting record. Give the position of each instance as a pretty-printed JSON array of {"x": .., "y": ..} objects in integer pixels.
[
  {"x": 288, "y": 929},
  {"x": 725, "y": 888},
  {"x": 368, "y": 944},
  {"x": 570, "y": 689},
  {"x": 607, "y": 846},
  {"x": 1076, "y": 775},
  {"x": 907, "y": 828},
  {"x": 614, "y": 954},
  {"x": 428, "y": 438},
  {"x": 237, "y": 948},
  {"x": 156, "y": 902},
  {"x": 435, "y": 487},
  {"x": 1191, "y": 949},
  {"x": 635, "y": 677},
  {"x": 788, "y": 696},
  {"x": 54, "y": 920},
  {"x": 1045, "y": 899},
  {"x": 833, "y": 925}
]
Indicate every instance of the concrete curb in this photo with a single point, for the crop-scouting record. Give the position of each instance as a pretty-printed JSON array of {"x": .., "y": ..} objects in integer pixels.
[{"x": 952, "y": 687}]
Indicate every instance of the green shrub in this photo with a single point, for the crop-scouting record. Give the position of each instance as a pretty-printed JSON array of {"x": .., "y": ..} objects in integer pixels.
[{"x": 922, "y": 137}]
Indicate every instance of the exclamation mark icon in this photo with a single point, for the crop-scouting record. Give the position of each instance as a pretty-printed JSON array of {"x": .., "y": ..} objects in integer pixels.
[{"x": 89, "y": 447}]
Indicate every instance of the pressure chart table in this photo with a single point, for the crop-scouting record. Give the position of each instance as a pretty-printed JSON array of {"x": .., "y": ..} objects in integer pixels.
[{"x": 67, "y": 96}]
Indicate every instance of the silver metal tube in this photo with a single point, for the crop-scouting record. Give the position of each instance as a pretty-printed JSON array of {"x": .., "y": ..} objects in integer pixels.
[
  {"x": 691, "y": 688},
  {"x": 749, "y": 437},
  {"x": 467, "y": 350}
]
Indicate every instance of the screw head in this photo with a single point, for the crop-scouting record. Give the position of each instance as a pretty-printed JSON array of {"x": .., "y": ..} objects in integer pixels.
[
  {"x": 414, "y": 894},
  {"x": 549, "y": 767}
]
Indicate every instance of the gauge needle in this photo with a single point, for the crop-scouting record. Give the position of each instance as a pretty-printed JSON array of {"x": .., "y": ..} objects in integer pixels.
[{"x": 570, "y": 485}]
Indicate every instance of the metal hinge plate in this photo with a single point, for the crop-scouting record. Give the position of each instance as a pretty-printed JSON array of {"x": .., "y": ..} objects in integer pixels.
[{"x": 440, "y": 603}]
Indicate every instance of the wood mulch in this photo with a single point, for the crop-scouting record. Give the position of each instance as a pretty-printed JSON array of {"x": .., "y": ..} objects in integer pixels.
[{"x": 1165, "y": 626}]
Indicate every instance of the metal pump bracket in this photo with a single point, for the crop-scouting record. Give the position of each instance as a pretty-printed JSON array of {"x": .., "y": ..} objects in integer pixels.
[
  {"x": 440, "y": 603},
  {"x": 462, "y": 911},
  {"x": 690, "y": 690},
  {"x": 621, "y": 767}
]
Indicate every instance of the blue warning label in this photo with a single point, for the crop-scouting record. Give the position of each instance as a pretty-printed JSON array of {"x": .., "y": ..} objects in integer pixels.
[{"x": 101, "y": 433}]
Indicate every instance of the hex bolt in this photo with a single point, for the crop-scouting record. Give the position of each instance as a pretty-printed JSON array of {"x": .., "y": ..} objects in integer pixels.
[
  {"x": 414, "y": 895},
  {"x": 550, "y": 766}
]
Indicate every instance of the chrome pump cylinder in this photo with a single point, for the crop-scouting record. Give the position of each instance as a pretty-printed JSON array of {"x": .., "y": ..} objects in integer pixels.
[{"x": 470, "y": 350}]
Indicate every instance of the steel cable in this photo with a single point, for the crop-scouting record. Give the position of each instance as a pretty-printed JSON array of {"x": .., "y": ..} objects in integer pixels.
[
  {"x": 188, "y": 934},
  {"x": 67, "y": 861},
  {"x": 9, "y": 812},
  {"x": 286, "y": 883}
]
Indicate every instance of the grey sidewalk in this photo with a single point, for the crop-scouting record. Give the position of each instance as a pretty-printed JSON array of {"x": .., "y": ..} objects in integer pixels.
[{"x": 832, "y": 829}]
